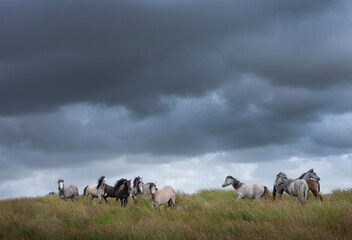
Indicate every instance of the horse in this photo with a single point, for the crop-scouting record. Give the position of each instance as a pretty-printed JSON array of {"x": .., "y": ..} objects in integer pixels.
[
  {"x": 166, "y": 195},
  {"x": 246, "y": 191},
  {"x": 123, "y": 190},
  {"x": 70, "y": 191},
  {"x": 294, "y": 187},
  {"x": 110, "y": 191},
  {"x": 312, "y": 180},
  {"x": 96, "y": 191},
  {"x": 139, "y": 188}
]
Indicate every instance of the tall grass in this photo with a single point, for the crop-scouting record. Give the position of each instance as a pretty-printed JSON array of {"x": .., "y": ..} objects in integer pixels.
[{"x": 208, "y": 214}]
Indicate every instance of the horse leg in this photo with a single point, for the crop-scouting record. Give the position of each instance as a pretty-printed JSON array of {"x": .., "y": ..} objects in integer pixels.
[
  {"x": 239, "y": 197},
  {"x": 173, "y": 200},
  {"x": 317, "y": 195},
  {"x": 291, "y": 196},
  {"x": 105, "y": 198}
]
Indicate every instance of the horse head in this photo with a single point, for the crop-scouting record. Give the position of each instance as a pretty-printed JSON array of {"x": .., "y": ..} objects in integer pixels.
[
  {"x": 101, "y": 181},
  {"x": 279, "y": 178},
  {"x": 152, "y": 188},
  {"x": 61, "y": 184},
  {"x": 313, "y": 175},
  {"x": 128, "y": 185},
  {"x": 228, "y": 181}
]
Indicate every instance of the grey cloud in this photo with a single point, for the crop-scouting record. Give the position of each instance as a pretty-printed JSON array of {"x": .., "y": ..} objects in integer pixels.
[
  {"x": 133, "y": 54},
  {"x": 249, "y": 114}
]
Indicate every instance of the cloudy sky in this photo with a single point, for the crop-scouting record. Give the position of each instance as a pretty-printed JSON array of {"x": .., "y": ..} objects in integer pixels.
[{"x": 180, "y": 92}]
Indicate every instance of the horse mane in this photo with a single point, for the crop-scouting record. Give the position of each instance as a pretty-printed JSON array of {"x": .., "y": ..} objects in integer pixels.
[
  {"x": 290, "y": 180},
  {"x": 302, "y": 176},
  {"x": 152, "y": 185},
  {"x": 136, "y": 180},
  {"x": 100, "y": 181},
  {"x": 119, "y": 183},
  {"x": 237, "y": 184},
  {"x": 281, "y": 174}
]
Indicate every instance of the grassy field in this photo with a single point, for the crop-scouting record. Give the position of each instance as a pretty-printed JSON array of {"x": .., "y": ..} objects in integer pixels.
[{"x": 209, "y": 214}]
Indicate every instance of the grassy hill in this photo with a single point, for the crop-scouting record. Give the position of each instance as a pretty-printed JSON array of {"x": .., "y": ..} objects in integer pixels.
[{"x": 209, "y": 214}]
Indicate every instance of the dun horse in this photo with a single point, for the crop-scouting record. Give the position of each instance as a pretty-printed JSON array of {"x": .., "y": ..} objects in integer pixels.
[
  {"x": 247, "y": 191},
  {"x": 70, "y": 191},
  {"x": 166, "y": 195},
  {"x": 96, "y": 191},
  {"x": 294, "y": 187},
  {"x": 312, "y": 180},
  {"x": 139, "y": 188}
]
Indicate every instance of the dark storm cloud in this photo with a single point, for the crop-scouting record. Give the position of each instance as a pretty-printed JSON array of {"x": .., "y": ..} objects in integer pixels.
[
  {"x": 89, "y": 81},
  {"x": 135, "y": 53}
]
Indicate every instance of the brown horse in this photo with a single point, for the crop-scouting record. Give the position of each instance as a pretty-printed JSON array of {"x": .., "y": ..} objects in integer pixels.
[{"x": 312, "y": 180}]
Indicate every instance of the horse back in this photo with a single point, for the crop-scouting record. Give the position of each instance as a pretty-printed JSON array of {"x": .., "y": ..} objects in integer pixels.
[
  {"x": 110, "y": 191},
  {"x": 73, "y": 189},
  {"x": 165, "y": 194},
  {"x": 312, "y": 184}
]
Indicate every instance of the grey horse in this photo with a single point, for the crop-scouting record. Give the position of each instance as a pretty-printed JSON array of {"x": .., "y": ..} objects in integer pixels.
[
  {"x": 247, "y": 191},
  {"x": 96, "y": 191},
  {"x": 294, "y": 187},
  {"x": 70, "y": 191},
  {"x": 312, "y": 180},
  {"x": 139, "y": 188}
]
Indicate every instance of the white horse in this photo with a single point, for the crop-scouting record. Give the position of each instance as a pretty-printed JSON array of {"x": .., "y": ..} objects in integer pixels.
[
  {"x": 70, "y": 191},
  {"x": 166, "y": 195},
  {"x": 294, "y": 187},
  {"x": 96, "y": 191},
  {"x": 246, "y": 191}
]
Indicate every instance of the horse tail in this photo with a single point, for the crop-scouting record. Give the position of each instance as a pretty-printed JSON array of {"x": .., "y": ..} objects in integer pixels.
[
  {"x": 274, "y": 192},
  {"x": 265, "y": 193},
  {"x": 321, "y": 198},
  {"x": 303, "y": 191},
  {"x": 84, "y": 191}
]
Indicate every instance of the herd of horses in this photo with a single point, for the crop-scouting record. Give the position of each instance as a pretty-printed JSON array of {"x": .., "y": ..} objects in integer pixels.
[{"x": 123, "y": 189}]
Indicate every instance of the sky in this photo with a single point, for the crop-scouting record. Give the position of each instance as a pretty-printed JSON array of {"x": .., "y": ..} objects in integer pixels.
[{"x": 182, "y": 93}]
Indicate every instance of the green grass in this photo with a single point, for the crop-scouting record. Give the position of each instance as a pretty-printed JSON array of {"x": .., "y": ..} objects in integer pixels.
[{"x": 208, "y": 214}]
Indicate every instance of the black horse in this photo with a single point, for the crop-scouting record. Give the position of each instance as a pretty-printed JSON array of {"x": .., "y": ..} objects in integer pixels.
[
  {"x": 121, "y": 190},
  {"x": 110, "y": 191}
]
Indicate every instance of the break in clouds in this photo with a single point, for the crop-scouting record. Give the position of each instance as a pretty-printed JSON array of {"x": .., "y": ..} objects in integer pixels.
[{"x": 180, "y": 92}]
